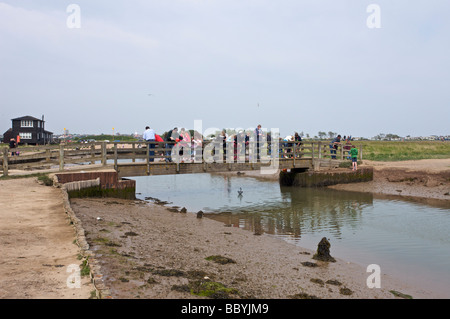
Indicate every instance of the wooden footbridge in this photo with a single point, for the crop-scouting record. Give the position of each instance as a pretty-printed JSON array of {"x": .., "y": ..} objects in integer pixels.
[{"x": 136, "y": 159}]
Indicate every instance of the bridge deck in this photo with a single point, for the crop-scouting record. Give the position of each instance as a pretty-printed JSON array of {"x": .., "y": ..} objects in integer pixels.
[
  {"x": 163, "y": 168},
  {"x": 133, "y": 158}
]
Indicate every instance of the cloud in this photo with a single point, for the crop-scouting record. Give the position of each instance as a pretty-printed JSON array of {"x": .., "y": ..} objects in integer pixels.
[{"x": 47, "y": 31}]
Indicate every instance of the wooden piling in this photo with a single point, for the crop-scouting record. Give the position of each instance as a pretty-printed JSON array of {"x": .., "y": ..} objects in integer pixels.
[
  {"x": 104, "y": 153},
  {"x": 92, "y": 153},
  {"x": 5, "y": 161},
  {"x": 61, "y": 157},
  {"x": 115, "y": 156}
]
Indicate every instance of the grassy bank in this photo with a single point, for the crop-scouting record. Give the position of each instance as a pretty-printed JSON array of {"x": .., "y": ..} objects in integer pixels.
[
  {"x": 402, "y": 151},
  {"x": 43, "y": 177}
]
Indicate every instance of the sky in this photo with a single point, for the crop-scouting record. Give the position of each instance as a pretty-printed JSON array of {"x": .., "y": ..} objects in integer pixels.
[{"x": 291, "y": 65}]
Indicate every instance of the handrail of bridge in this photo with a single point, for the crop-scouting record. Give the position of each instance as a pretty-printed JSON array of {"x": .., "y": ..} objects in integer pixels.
[{"x": 100, "y": 152}]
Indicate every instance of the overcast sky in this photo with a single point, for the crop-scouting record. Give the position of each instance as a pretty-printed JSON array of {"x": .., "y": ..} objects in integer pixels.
[{"x": 295, "y": 65}]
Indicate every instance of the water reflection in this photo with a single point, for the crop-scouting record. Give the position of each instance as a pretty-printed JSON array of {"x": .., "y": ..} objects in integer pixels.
[
  {"x": 406, "y": 238},
  {"x": 301, "y": 211}
]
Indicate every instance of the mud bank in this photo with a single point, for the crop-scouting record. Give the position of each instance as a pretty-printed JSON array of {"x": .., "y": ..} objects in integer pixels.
[
  {"x": 147, "y": 251},
  {"x": 423, "y": 180}
]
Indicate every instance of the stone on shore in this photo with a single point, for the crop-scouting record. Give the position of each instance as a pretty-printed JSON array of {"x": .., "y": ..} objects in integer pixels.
[{"x": 323, "y": 251}]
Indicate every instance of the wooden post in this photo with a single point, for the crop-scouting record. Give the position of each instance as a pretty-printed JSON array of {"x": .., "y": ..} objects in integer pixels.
[
  {"x": 104, "y": 153},
  {"x": 115, "y": 156},
  {"x": 148, "y": 157},
  {"x": 92, "y": 153},
  {"x": 294, "y": 152},
  {"x": 320, "y": 149},
  {"x": 5, "y": 161},
  {"x": 360, "y": 151},
  {"x": 342, "y": 152},
  {"x": 133, "y": 156},
  {"x": 61, "y": 157},
  {"x": 47, "y": 154},
  {"x": 312, "y": 150}
]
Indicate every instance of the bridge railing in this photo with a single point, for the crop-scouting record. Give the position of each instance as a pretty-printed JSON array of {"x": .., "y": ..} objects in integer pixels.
[{"x": 60, "y": 156}]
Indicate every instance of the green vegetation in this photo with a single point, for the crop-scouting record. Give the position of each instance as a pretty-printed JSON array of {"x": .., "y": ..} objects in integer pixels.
[
  {"x": 402, "y": 151},
  {"x": 40, "y": 176},
  {"x": 303, "y": 295},
  {"x": 85, "y": 269},
  {"x": 347, "y": 164},
  {"x": 97, "y": 191},
  {"x": 211, "y": 289},
  {"x": 46, "y": 180},
  {"x": 103, "y": 137},
  {"x": 400, "y": 294}
]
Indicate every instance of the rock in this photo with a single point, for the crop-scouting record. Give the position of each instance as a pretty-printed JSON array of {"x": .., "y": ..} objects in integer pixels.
[
  {"x": 183, "y": 210},
  {"x": 345, "y": 291},
  {"x": 309, "y": 264},
  {"x": 221, "y": 259},
  {"x": 323, "y": 251},
  {"x": 199, "y": 214}
]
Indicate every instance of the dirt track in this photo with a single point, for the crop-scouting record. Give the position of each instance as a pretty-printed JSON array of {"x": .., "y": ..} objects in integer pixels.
[{"x": 36, "y": 243}]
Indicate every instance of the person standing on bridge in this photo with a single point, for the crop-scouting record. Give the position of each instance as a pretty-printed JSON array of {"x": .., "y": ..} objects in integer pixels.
[
  {"x": 149, "y": 136},
  {"x": 258, "y": 138},
  {"x": 298, "y": 144},
  {"x": 223, "y": 138},
  {"x": 171, "y": 136},
  {"x": 334, "y": 146}
]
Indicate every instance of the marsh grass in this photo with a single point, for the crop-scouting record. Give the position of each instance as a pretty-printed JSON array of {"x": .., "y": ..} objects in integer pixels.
[
  {"x": 46, "y": 180},
  {"x": 402, "y": 151}
]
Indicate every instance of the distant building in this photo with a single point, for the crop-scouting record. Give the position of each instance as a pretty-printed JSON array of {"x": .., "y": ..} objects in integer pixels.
[{"x": 30, "y": 130}]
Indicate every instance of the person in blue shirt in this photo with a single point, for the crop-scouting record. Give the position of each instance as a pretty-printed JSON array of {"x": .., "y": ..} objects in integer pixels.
[
  {"x": 149, "y": 136},
  {"x": 334, "y": 145}
]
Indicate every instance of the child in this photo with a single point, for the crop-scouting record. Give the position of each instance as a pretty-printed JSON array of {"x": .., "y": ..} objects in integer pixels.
[
  {"x": 12, "y": 144},
  {"x": 354, "y": 155}
]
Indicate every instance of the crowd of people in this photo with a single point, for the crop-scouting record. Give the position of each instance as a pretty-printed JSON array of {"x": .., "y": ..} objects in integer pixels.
[{"x": 191, "y": 146}]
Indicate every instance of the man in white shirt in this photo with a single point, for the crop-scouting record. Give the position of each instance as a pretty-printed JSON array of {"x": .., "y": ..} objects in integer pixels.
[
  {"x": 149, "y": 136},
  {"x": 258, "y": 133}
]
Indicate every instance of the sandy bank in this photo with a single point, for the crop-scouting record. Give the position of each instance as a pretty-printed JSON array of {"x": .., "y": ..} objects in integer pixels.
[{"x": 427, "y": 180}]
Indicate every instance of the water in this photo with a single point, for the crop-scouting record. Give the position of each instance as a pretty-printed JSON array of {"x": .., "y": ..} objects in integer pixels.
[{"x": 408, "y": 240}]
